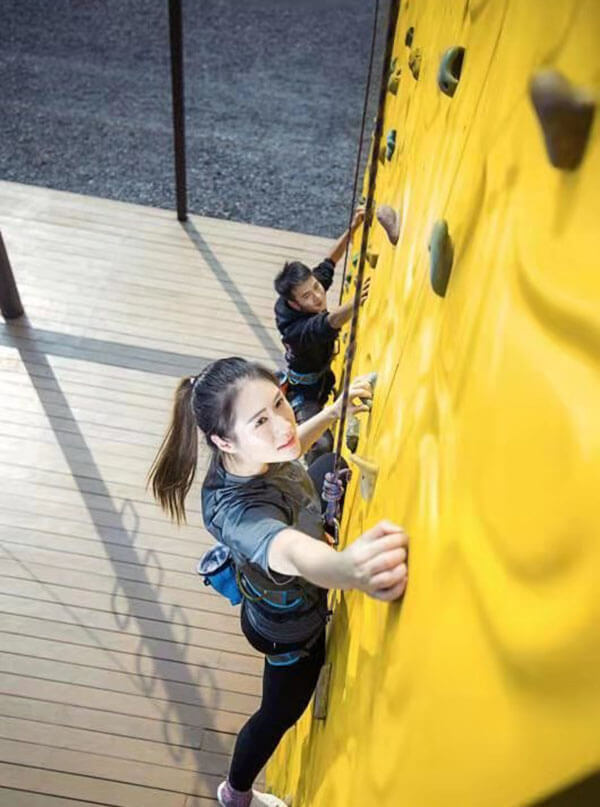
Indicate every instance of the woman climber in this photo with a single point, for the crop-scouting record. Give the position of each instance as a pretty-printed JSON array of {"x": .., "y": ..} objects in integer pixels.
[{"x": 259, "y": 501}]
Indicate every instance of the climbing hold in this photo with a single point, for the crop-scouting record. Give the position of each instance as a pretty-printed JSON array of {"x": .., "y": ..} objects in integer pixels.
[
  {"x": 410, "y": 35},
  {"x": 450, "y": 69},
  {"x": 394, "y": 77},
  {"x": 372, "y": 258},
  {"x": 414, "y": 62},
  {"x": 355, "y": 258},
  {"x": 368, "y": 475},
  {"x": 352, "y": 433},
  {"x": 390, "y": 221},
  {"x": 372, "y": 379},
  {"x": 322, "y": 693},
  {"x": 381, "y": 154},
  {"x": 394, "y": 82},
  {"x": 390, "y": 144},
  {"x": 441, "y": 257},
  {"x": 565, "y": 114}
]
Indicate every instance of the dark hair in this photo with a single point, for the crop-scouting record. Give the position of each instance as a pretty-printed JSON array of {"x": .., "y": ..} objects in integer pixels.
[
  {"x": 293, "y": 274},
  {"x": 205, "y": 402}
]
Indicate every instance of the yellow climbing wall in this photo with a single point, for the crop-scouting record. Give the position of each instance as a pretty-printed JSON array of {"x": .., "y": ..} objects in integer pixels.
[{"x": 482, "y": 689}]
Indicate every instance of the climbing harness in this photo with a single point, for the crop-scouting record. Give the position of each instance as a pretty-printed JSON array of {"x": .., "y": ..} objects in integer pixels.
[
  {"x": 299, "y": 621},
  {"x": 333, "y": 487}
]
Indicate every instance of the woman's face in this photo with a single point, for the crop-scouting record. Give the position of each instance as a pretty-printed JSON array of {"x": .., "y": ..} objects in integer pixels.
[{"x": 264, "y": 428}]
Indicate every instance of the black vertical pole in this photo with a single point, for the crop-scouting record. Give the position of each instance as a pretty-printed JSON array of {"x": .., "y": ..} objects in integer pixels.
[
  {"x": 10, "y": 302},
  {"x": 176, "y": 38}
]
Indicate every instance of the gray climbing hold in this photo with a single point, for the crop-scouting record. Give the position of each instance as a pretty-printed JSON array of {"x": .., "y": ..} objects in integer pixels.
[
  {"x": 565, "y": 114},
  {"x": 441, "y": 257},
  {"x": 390, "y": 221},
  {"x": 450, "y": 69}
]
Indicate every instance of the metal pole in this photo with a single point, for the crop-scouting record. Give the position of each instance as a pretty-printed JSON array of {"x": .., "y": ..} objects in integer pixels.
[
  {"x": 10, "y": 302},
  {"x": 176, "y": 39}
]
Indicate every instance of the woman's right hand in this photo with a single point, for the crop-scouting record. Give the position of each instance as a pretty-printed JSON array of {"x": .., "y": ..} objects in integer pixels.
[{"x": 376, "y": 563}]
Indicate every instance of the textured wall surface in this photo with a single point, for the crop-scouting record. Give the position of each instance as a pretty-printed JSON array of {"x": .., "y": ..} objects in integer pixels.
[{"x": 482, "y": 689}]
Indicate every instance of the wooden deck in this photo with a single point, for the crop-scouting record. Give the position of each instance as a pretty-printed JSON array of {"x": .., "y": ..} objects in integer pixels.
[{"x": 122, "y": 680}]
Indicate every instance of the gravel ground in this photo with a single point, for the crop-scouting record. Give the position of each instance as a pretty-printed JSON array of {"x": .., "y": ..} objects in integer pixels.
[{"x": 274, "y": 94}]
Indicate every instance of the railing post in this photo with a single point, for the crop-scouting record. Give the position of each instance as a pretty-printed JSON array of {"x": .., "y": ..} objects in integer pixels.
[
  {"x": 176, "y": 38},
  {"x": 10, "y": 302}
]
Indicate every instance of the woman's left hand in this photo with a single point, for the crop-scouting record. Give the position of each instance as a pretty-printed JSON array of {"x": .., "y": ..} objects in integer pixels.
[{"x": 360, "y": 388}]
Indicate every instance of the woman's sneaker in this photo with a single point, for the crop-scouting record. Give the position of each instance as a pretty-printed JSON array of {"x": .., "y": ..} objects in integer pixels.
[{"x": 258, "y": 799}]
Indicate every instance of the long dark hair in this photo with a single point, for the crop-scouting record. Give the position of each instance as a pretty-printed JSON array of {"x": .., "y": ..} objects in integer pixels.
[{"x": 204, "y": 402}]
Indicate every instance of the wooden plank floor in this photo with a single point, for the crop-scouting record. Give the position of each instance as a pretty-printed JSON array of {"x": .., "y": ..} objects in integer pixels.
[{"x": 122, "y": 680}]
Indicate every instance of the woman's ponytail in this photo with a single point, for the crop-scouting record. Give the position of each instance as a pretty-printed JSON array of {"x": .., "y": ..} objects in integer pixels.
[
  {"x": 206, "y": 402},
  {"x": 174, "y": 466}
]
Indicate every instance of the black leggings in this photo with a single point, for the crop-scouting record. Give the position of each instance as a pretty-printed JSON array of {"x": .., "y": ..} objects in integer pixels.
[{"x": 286, "y": 690}]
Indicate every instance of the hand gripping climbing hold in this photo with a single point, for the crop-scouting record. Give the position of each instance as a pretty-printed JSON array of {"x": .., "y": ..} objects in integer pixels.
[
  {"x": 565, "y": 114},
  {"x": 450, "y": 69},
  {"x": 390, "y": 221},
  {"x": 441, "y": 257}
]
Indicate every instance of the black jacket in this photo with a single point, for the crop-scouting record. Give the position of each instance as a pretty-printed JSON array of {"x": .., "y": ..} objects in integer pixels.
[{"x": 309, "y": 339}]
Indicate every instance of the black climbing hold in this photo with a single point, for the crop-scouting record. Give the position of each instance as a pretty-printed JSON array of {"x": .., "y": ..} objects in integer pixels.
[
  {"x": 565, "y": 114},
  {"x": 410, "y": 35},
  {"x": 414, "y": 62},
  {"x": 390, "y": 221},
  {"x": 355, "y": 258},
  {"x": 450, "y": 70},
  {"x": 441, "y": 257},
  {"x": 390, "y": 144}
]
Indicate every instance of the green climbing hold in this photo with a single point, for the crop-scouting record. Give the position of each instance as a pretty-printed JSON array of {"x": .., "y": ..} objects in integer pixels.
[
  {"x": 355, "y": 258},
  {"x": 390, "y": 144},
  {"x": 441, "y": 256},
  {"x": 352, "y": 433},
  {"x": 450, "y": 70}
]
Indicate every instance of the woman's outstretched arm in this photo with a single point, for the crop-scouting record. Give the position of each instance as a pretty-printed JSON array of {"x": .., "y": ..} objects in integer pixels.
[
  {"x": 310, "y": 431},
  {"x": 375, "y": 563}
]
